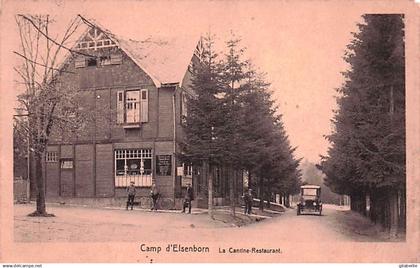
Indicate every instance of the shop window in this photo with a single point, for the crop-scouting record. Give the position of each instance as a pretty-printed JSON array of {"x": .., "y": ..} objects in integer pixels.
[{"x": 133, "y": 165}]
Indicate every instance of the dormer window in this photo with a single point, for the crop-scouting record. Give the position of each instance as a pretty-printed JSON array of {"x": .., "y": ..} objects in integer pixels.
[
  {"x": 112, "y": 59},
  {"x": 92, "y": 62},
  {"x": 105, "y": 60}
]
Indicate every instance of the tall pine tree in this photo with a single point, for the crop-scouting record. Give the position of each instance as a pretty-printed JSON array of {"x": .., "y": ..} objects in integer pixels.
[{"x": 367, "y": 156}]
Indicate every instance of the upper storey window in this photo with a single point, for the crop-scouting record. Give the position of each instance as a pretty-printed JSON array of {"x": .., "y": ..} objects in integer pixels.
[
  {"x": 132, "y": 106},
  {"x": 112, "y": 59}
]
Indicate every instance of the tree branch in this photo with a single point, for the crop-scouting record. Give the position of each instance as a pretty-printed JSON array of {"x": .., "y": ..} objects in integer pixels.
[
  {"x": 52, "y": 40},
  {"x": 40, "y": 64}
]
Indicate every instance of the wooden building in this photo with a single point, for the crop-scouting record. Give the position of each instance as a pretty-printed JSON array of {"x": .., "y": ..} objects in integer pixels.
[{"x": 136, "y": 91}]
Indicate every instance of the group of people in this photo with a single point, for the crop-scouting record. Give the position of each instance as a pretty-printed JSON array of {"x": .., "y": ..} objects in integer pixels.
[
  {"x": 188, "y": 198},
  {"x": 131, "y": 191},
  {"x": 154, "y": 194}
]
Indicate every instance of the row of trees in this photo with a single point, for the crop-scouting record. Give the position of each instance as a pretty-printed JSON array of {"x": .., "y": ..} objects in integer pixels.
[
  {"x": 367, "y": 156},
  {"x": 233, "y": 123}
]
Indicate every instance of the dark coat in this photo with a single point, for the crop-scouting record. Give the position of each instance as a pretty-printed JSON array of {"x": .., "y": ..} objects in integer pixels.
[
  {"x": 189, "y": 194},
  {"x": 247, "y": 197},
  {"x": 131, "y": 190}
]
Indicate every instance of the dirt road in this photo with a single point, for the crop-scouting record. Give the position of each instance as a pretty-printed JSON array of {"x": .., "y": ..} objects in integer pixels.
[
  {"x": 103, "y": 225},
  {"x": 335, "y": 224}
]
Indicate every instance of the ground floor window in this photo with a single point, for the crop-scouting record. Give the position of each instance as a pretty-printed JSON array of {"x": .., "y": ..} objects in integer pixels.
[
  {"x": 51, "y": 157},
  {"x": 133, "y": 165}
]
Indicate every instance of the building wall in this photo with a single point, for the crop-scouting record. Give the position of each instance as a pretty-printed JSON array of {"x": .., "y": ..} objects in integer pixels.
[
  {"x": 92, "y": 150},
  {"x": 66, "y": 176},
  {"x": 84, "y": 176},
  {"x": 104, "y": 170}
]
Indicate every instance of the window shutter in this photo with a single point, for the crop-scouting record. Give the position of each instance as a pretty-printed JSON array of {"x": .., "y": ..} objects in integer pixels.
[
  {"x": 80, "y": 62},
  {"x": 120, "y": 107},
  {"x": 144, "y": 102},
  {"x": 116, "y": 58}
]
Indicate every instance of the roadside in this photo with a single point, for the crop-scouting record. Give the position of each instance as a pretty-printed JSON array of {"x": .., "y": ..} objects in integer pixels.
[
  {"x": 121, "y": 225},
  {"x": 86, "y": 224},
  {"x": 221, "y": 213},
  {"x": 357, "y": 226}
]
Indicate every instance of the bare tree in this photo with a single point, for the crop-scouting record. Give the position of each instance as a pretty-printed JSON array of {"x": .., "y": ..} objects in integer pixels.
[{"x": 46, "y": 103}]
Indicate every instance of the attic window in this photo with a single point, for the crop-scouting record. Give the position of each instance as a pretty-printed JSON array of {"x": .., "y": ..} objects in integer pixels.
[
  {"x": 105, "y": 60},
  {"x": 113, "y": 59},
  {"x": 92, "y": 62}
]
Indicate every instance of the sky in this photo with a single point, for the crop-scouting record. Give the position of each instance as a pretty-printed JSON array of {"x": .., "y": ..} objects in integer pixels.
[{"x": 299, "y": 45}]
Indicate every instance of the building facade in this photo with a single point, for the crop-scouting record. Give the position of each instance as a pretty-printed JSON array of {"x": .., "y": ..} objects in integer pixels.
[{"x": 136, "y": 94}]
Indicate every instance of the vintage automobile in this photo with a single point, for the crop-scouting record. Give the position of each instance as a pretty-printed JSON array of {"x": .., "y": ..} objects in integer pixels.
[{"x": 310, "y": 199}]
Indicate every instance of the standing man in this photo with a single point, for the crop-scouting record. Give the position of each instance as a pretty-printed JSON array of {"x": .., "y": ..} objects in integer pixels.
[
  {"x": 131, "y": 190},
  {"x": 248, "y": 201},
  {"x": 155, "y": 195},
  {"x": 188, "y": 198}
]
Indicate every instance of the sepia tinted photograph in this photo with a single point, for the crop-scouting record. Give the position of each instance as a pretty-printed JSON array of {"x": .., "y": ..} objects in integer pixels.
[{"x": 231, "y": 131}]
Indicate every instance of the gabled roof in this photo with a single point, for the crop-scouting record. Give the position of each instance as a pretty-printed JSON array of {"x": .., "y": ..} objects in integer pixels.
[{"x": 164, "y": 58}]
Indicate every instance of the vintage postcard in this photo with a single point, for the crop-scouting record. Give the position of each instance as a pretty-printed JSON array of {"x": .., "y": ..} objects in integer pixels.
[{"x": 209, "y": 131}]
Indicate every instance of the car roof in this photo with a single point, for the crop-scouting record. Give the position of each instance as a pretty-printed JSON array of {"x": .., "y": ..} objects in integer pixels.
[{"x": 310, "y": 186}]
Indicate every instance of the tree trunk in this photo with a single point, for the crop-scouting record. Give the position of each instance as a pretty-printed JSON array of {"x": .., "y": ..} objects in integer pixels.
[
  {"x": 209, "y": 172},
  {"x": 260, "y": 193},
  {"x": 287, "y": 200},
  {"x": 268, "y": 199},
  {"x": 232, "y": 191},
  {"x": 393, "y": 215},
  {"x": 373, "y": 207},
  {"x": 40, "y": 187},
  {"x": 402, "y": 210},
  {"x": 32, "y": 177}
]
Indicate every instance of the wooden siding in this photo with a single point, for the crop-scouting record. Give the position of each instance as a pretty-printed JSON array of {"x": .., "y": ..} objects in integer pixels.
[
  {"x": 84, "y": 171},
  {"x": 104, "y": 170}
]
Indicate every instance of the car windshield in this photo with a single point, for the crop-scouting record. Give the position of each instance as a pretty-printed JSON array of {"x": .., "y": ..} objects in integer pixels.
[{"x": 309, "y": 191}]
